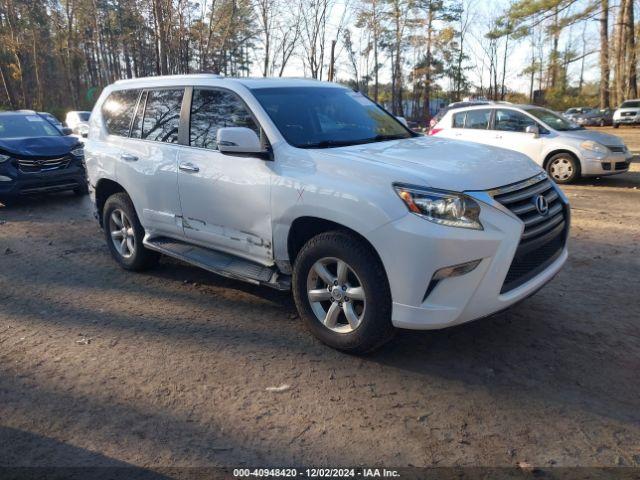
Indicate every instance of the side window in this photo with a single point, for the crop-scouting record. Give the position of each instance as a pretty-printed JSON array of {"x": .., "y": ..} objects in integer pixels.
[
  {"x": 458, "y": 120},
  {"x": 214, "y": 109},
  {"x": 117, "y": 111},
  {"x": 512, "y": 121},
  {"x": 478, "y": 119},
  {"x": 136, "y": 128},
  {"x": 162, "y": 115}
]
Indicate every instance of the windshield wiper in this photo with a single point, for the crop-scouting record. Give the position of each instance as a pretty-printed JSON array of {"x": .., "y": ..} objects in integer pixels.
[
  {"x": 328, "y": 144},
  {"x": 345, "y": 143}
]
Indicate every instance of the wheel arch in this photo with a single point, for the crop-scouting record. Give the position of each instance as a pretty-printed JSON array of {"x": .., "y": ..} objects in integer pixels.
[
  {"x": 306, "y": 227},
  {"x": 557, "y": 151},
  {"x": 103, "y": 190}
]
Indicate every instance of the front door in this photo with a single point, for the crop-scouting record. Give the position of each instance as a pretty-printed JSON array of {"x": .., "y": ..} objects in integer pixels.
[
  {"x": 509, "y": 131},
  {"x": 224, "y": 198}
]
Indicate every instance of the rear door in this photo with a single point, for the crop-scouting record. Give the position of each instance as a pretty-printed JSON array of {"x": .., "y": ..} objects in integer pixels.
[
  {"x": 470, "y": 125},
  {"x": 148, "y": 161}
]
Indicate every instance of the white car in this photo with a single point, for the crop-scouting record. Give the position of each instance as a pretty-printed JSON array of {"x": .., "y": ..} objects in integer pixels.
[
  {"x": 564, "y": 149},
  {"x": 310, "y": 186},
  {"x": 627, "y": 114},
  {"x": 77, "y": 121}
]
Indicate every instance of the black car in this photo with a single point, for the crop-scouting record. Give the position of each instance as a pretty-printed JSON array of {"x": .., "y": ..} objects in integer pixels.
[{"x": 37, "y": 157}]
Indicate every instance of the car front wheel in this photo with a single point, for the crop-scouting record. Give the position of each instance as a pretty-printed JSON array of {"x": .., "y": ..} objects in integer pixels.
[
  {"x": 342, "y": 293},
  {"x": 563, "y": 168}
]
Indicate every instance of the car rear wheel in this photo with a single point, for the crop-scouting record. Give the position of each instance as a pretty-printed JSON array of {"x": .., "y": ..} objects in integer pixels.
[
  {"x": 124, "y": 234},
  {"x": 563, "y": 168},
  {"x": 616, "y": 125},
  {"x": 342, "y": 293}
]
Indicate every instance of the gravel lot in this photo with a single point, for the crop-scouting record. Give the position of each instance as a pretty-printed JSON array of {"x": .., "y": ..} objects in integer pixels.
[{"x": 99, "y": 366}]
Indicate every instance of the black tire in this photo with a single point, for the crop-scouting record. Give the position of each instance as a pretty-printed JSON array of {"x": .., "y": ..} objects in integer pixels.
[
  {"x": 616, "y": 125},
  {"x": 141, "y": 259},
  {"x": 375, "y": 328},
  {"x": 82, "y": 190},
  {"x": 567, "y": 160}
]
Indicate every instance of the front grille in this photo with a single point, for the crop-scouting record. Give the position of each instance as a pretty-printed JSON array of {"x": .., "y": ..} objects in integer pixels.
[
  {"x": 616, "y": 148},
  {"x": 628, "y": 114},
  {"x": 544, "y": 233},
  {"x": 36, "y": 165},
  {"x": 621, "y": 165}
]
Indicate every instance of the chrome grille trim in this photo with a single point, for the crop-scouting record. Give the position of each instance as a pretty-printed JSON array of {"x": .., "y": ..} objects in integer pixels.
[
  {"x": 35, "y": 165},
  {"x": 518, "y": 185},
  {"x": 543, "y": 236}
]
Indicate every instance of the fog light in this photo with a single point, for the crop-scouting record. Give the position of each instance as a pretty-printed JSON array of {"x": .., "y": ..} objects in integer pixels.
[
  {"x": 456, "y": 270},
  {"x": 5, "y": 179}
]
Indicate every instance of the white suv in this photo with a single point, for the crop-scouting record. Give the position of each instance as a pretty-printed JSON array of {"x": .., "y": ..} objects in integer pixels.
[
  {"x": 627, "y": 114},
  {"x": 564, "y": 149},
  {"x": 310, "y": 186}
]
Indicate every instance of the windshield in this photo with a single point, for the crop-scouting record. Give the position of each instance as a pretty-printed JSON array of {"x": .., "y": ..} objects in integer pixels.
[
  {"x": 323, "y": 117},
  {"x": 553, "y": 120},
  {"x": 18, "y": 126},
  {"x": 634, "y": 104}
]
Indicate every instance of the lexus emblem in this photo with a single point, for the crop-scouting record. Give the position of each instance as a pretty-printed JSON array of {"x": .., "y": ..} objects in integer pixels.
[{"x": 541, "y": 205}]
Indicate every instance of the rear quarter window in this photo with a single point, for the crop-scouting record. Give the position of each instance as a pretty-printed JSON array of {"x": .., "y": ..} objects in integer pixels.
[
  {"x": 458, "y": 120},
  {"x": 118, "y": 110}
]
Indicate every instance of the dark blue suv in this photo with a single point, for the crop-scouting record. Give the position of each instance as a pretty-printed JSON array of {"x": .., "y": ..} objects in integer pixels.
[{"x": 36, "y": 157}]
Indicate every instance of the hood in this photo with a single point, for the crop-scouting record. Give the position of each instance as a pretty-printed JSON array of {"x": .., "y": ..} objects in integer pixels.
[
  {"x": 443, "y": 163},
  {"x": 38, "y": 146},
  {"x": 600, "y": 137}
]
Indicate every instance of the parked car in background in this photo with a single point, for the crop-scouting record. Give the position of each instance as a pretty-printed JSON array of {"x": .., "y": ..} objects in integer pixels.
[
  {"x": 78, "y": 122},
  {"x": 596, "y": 117},
  {"x": 254, "y": 179},
  {"x": 566, "y": 150},
  {"x": 627, "y": 114},
  {"x": 573, "y": 113},
  {"x": 35, "y": 157}
]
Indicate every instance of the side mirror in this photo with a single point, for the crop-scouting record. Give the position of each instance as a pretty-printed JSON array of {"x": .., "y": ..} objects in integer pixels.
[
  {"x": 240, "y": 140},
  {"x": 533, "y": 129},
  {"x": 403, "y": 121},
  {"x": 66, "y": 131}
]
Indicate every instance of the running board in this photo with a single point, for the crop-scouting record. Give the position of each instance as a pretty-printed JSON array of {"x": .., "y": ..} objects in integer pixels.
[{"x": 220, "y": 263}]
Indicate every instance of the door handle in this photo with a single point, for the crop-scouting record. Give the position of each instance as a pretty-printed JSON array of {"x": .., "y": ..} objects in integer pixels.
[
  {"x": 498, "y": 136},
  {"x": 127, "y": 157},
  {"x": 188, "y": 167}
]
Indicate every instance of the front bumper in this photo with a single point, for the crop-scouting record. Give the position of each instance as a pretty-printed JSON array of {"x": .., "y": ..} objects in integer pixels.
[
  {"x": 627, "y": 120},
  {"x": 21, "y": 184},
  {"x": 412, "y": 249},
  {"x": 610, "y": 164}
]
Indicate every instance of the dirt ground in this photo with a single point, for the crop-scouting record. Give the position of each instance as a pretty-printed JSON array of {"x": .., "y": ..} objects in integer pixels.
[{"x": 99, "y": 366}]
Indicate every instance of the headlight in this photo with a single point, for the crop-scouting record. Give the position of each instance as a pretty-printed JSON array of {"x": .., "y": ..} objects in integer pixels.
[
  {"x": 594, "y": 147},
  {"x": 445, "y": 208},
  {"x": 4, "y": 158},
  {"x": 78, "y": 152}
]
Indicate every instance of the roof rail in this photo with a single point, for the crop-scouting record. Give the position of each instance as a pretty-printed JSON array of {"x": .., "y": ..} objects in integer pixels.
[{"x": 169, "y": 77}]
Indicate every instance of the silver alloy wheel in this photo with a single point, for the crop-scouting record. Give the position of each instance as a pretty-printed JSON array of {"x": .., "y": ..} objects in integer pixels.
[
  {"x": 336, "y": 295},
  {"x": 122, "y": 234},
  {"x": 561, "y": 168}
]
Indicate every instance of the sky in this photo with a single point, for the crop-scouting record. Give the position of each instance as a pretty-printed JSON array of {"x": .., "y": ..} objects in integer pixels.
[{"x": 519, "y": 55}]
